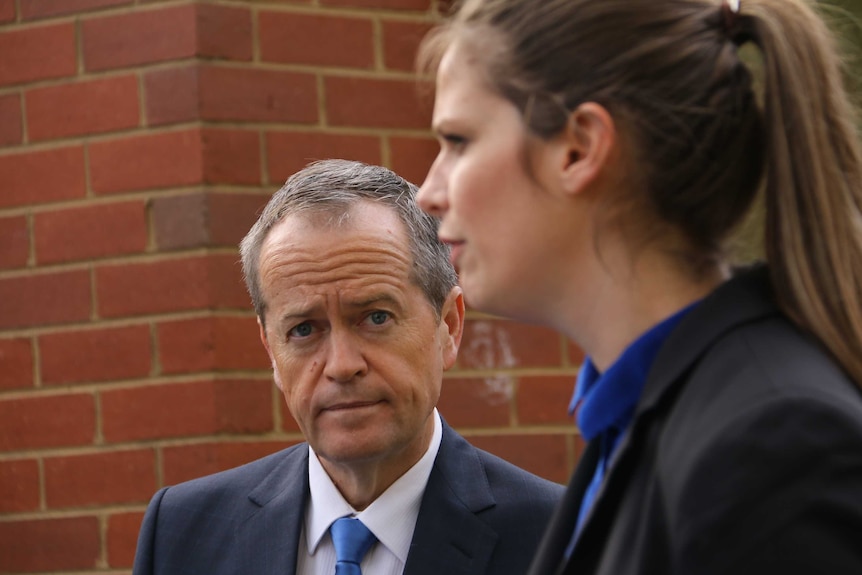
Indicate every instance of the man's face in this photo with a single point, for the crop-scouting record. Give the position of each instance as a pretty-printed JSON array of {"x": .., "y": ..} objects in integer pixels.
[{"x": 356, "y": 347}]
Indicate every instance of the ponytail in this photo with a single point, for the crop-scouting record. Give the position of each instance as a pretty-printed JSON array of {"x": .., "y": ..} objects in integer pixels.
[{"x": 813, "y": 177}]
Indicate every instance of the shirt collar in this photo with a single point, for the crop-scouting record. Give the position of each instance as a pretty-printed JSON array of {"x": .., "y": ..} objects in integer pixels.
[
  {"x": 391, "y": 517},
  {"x": 608, "y": 400}
]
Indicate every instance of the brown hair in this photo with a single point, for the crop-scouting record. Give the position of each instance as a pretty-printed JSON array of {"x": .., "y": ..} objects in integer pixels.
[{"x": 670, "y": 72}]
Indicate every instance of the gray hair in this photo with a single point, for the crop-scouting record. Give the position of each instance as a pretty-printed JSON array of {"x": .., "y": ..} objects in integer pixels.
[{"x": 333, "y": 186}]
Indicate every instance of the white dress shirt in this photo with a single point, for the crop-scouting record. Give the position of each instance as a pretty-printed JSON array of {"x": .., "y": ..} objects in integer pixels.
[{"x": 391, "y": 517}]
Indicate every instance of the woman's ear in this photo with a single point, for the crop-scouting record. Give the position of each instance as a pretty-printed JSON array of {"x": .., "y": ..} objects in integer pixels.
[{"x": 589, "y": 143}]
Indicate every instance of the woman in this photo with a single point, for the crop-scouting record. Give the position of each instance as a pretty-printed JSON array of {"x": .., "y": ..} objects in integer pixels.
[{"x": 596, "y": 156}]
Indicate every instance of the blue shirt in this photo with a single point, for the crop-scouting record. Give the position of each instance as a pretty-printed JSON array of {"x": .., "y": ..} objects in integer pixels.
[{"x": 608, "y": 400}]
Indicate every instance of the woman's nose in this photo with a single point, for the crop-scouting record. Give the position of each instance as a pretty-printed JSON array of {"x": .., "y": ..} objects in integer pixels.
[{"x": 432, "y": 195}]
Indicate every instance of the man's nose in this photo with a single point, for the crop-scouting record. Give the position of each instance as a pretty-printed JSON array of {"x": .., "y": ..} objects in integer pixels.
[{"x": 345, "y": 360}]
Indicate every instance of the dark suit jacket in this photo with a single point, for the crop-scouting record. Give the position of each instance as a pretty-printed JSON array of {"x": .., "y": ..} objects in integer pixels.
[
  {"x": 479, "y": 515},
  {"x": 745, "y": 456}
]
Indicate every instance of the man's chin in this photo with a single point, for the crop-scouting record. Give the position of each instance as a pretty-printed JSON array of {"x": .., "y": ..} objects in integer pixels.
[{"x": 349, "y": 448}]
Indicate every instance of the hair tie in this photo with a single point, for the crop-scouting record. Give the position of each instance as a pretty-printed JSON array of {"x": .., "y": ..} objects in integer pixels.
[{"x": 730, "y": 14}]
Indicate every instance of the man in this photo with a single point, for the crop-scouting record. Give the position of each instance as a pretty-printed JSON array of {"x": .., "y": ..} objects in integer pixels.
[{"x": 360, "y": 314}]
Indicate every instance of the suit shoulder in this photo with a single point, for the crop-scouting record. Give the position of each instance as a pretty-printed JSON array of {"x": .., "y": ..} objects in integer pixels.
[
  {"x": 771, "y": 361},
  {"x": 240, "y": 479},
  {"x": 459, "y": 459},
  {"x": 503, "y": 474},
  {"x": 767, "y": 394}
]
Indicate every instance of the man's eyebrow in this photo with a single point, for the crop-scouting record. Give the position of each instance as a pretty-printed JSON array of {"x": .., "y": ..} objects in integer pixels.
[
  {"x": 375, "y": 299},
  {"x": 298, "y": 313},
  {"x": 368, "y": 301}
]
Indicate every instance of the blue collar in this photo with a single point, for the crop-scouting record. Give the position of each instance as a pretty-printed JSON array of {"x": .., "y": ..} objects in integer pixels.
[{"x": 608, "y": 400}]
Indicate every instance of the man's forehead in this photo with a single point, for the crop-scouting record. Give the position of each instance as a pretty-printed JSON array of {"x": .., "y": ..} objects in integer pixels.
[
  {"x": 344, "y": 294},
  {"x": 360, "y": 216},
  {"x": 354, "y": 257}
]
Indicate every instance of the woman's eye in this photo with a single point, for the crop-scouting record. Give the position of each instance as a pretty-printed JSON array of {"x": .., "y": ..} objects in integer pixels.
[
  {"x": 454, "y": 140},
  {"x": 379, "y": 317},
  {"x": 302, "y": 330}
]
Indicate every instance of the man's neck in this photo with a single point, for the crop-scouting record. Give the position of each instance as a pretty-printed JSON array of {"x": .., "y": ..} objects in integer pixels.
[{"x": 361, "y": 482}]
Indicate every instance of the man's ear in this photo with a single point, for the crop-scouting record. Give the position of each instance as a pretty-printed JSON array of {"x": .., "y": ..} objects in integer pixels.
[
  {"x": 452, "y": 321},
  {"x": 589, "y": 142},
  {"x": 275, "y": 375}
]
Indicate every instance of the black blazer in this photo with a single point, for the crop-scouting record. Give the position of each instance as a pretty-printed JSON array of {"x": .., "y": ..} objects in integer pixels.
[
  {"x": 744, "y": 456},
  {"x": 479, "y": 515}
]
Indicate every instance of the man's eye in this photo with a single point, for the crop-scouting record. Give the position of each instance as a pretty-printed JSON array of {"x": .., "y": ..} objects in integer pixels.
[
  {"x": 302, "y": 330},
  {"x": 379, "y": 317}
]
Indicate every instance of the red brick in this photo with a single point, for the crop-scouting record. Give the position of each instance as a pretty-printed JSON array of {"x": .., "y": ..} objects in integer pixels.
[
  {"x": 412, "y": 157},
  {"x": 19, "y": 484},
  {"x": 382, "y": 4},
  {"x": 7, "y": 10},
  {"x": 375, "y": 103},
  {"x": 146, "y": 161},
  {"x": 33, "y": 9},
  {"x": 257, "y": 95},
  {"x": 494, "y": 344},
  {"x": 204, "y": 219},
  {"x": 48, "y": 421},
  {"x": 90, "y": 232},
  {"x": 227, "y": 284},
  {"x": 545, "y": 455},
  {"x": 480, "y": 402},
  {"x": 289, "y": 152},
  {"x": 122, "y": 540},
  {"x": 286, "y": 37},
  {"x": 95, "y": 355},
  {"x": 16, "y": 364},
  {"x": 61, "y": 544},
  {"x": 14, "y": 242},
  {"x": 100, "y": 478},
  {"x": 400, "y": 43},
  {"x": 180, "y": 222},
  {"x": 39, "y": 53},
  {"x": 140, "y": 37},
  {"x": 10, "y": 120},
  {"x": 45, "y": 299},
  {"x": 210, "y": 344},
  {"x": 185, "y": 462},
  {"x": 544, "y": 400},
  {"x": 172, "y": 95},
  {"x": 43, "y": 176},
  {"x": 187, "y": 409},
  {"x": 172, "y": 285},
  {"x": 224, "y": 32},
  {"x": 230, "y": 216},
  {"x": 82, "y": 108},
  {"x": 231, "y": 156}
]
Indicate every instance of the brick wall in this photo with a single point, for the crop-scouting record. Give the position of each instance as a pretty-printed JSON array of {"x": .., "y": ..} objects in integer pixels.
[{"x": 137, "y": 140}]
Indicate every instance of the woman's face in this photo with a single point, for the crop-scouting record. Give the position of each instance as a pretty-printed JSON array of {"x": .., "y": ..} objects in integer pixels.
[{"x": 503, "y": 224}]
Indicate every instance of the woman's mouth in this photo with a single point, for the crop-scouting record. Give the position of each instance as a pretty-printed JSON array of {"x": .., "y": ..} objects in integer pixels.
[{"x": 455, "y": 250}]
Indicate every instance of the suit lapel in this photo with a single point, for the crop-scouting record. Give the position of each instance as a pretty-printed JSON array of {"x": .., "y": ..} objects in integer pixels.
[
  {"x": 448, "y": 537},
  {"x": 549, "y": 555},
  {"x": 268, "y": 535},
  {"x": 745, "y": 298}
]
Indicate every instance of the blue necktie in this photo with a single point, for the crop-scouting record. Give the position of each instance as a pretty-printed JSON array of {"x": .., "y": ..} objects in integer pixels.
[{"x": 352, "y": 540}]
